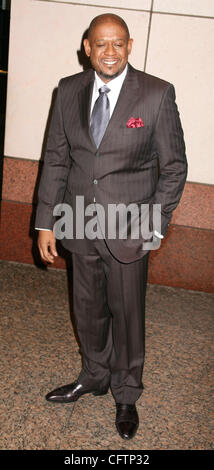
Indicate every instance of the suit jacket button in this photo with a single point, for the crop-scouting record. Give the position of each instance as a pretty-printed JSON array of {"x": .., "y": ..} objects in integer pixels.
[{"x": 95, "y": 182}]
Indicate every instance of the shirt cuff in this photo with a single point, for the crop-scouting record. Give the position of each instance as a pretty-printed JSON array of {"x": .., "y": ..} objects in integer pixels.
[
  {"x": 157, "y": 234},
  {"x": 45, "y": 229}
]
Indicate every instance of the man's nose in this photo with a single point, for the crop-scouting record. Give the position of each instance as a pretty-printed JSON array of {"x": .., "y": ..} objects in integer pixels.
[{"x": 110, "y": 49}]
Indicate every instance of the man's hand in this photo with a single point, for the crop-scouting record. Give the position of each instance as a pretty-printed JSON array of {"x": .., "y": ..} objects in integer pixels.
[{"x": 47, "y": 245}]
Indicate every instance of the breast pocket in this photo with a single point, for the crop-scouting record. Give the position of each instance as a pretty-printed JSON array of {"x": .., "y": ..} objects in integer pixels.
[
  {"x": 137, "y": 134},
  {"x": 133, "y": 130}
]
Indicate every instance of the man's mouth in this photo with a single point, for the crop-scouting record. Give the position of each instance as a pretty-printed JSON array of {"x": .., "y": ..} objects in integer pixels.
[{"x": 109, "y": 62}]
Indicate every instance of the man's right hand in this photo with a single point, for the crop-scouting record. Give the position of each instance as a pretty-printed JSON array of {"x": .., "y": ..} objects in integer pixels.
[{"x": 47, "y": 245}]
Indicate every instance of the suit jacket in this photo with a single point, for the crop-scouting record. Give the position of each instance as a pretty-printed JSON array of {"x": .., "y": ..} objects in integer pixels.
[{"x": 131, "y": 165}]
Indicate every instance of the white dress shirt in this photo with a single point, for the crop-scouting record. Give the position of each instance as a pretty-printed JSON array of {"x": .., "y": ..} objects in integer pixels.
[{"x": 114, "y": 85}]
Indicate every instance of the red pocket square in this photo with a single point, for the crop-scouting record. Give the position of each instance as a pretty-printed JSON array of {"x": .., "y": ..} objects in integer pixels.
[{"x": 135, "y": 122}]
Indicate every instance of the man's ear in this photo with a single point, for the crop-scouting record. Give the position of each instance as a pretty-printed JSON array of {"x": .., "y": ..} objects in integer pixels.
[
  {"x": 130, "y": 42},
  {"x": 87, "y": 47}
]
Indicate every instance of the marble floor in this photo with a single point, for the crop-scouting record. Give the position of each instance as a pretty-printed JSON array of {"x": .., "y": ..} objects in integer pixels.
[{"x": 39, "y": 352}]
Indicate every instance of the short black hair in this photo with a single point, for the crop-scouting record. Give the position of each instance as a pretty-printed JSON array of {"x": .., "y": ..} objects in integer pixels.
[{"x": 105, "y": 18}]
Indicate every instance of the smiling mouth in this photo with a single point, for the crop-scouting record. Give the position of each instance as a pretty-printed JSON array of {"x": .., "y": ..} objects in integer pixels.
[{"x": 109, "y": 62}]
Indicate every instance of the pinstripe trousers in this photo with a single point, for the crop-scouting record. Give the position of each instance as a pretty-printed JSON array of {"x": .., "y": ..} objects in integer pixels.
[{"x": 109, "y": 312}]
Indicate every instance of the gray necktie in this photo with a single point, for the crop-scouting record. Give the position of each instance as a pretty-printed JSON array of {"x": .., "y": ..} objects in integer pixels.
[{"x": 100, "y": 115}]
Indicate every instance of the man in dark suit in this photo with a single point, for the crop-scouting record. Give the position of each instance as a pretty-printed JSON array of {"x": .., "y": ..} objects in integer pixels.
[{"x": 115, "y": 138}]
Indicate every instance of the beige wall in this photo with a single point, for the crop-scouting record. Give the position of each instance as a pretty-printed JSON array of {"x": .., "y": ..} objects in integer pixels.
[{"x": 44, "y": 40}]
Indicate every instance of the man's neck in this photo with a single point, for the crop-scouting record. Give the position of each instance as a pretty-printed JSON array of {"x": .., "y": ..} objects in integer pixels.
[{"x": 119, "y": 77}]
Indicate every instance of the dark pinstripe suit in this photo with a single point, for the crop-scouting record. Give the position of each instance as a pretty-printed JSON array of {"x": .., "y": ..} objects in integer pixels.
[{"x": 146, "y": 164}]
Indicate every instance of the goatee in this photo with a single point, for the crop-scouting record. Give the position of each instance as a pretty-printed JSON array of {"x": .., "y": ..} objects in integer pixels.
[{"x": 109, "y": 77}]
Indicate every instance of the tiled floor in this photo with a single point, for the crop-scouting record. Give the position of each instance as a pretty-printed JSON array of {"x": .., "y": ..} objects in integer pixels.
[{"x": 39, "y": 352}]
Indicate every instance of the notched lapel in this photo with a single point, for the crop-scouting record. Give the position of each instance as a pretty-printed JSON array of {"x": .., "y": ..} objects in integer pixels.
[
  {"x": 84, "y": 97},
  {"x": 128, "y": 98}
]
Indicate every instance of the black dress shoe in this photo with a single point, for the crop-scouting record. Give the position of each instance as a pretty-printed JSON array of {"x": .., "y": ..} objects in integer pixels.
[
  {"x": 127, "y": 420},
  {"x": 71, "y": 392}
]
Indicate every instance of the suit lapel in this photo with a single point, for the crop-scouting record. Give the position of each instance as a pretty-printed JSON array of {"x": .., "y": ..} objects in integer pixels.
[
  {"x": 129, "y": 95},
  {"x": 85, "y": 97}
]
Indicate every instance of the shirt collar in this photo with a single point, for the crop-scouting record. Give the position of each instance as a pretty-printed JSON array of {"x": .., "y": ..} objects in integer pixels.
[{"x": 114, "y": 83}]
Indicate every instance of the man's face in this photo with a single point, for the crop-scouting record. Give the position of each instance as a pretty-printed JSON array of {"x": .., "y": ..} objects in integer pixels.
[{"x": 108, "y": 48}]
